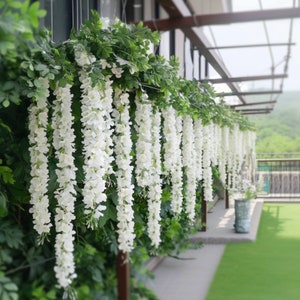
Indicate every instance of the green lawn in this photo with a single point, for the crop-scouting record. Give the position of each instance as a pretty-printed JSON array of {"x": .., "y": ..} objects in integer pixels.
[{"x": 268, "y": 269}]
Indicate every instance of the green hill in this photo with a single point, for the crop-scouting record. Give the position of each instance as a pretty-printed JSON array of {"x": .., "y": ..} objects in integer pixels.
[{"x": 279, "y": 131}]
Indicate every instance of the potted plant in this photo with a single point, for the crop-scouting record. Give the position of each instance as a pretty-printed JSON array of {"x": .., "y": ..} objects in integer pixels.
[{"x": 242, "y": 207}]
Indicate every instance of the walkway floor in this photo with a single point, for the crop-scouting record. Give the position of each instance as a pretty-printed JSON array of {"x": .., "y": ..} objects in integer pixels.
[{"x": 189, "y": 278}]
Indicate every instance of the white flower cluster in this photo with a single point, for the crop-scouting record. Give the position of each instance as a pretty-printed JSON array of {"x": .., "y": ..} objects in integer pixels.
[
  {"x": 144, "y": 142},
  {"x": 206, "y": 163},
  {"x": 148, "y": 161},
  {"x": 188, "y": 159},
  {"x": 224, "y": 155},
  {"x": 238, "y": 150},
  {"x": 198, "y": 136},
  {"x": 155, "y": 189},
  {"x": 38, "y": 150},
  {"x": 123, "y": 146},
  {"x": 96, "y": 106},
  {"x": 172, "y": 156},
  {"x": 63, "y": 142},
  {"x": 81, "y": 56}
]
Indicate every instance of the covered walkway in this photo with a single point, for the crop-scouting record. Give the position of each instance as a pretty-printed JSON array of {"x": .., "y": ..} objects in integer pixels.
[{"x": 190, "y": 277}]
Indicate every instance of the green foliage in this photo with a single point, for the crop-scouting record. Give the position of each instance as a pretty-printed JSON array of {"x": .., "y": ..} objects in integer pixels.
[
  {"x": 25, "y": 50},
  {"x": 8, "y": 289}
]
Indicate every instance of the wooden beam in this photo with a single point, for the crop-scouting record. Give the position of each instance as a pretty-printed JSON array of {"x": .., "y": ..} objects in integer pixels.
[
  {"x": 253, "y": 103},
  {"x": 254, "y": 111},
  {"x": 181, "y": 22},
  {"x": 251, "y": 46},
  {"x": 246, "y": 78},
  {"x": 257, "y": 112},
  {"x": 248, "y": 93}
]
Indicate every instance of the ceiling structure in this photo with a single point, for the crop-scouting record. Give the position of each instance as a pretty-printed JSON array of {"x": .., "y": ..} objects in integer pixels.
[{"x": 247, "y": 48}]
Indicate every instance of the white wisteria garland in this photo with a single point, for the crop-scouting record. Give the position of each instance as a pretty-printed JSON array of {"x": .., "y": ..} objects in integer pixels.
[
  {"x": 63, "y": 142},
  {"x": 38, "y": 150},
  {"x": 198, "y": 136},
  {"x": 172, "y": 156},
  {"x": 206, "y": 163},
  {"x": 155, "y": 188},
  {"x": 96, "y": 106},
  {"x": 122, "y": 147},
  {"x": 188, "y": 159},
  {"x": 143, "y": 125},
  {"x": 148, "y": 161}
]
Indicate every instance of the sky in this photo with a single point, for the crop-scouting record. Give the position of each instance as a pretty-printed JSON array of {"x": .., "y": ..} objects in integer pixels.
[{"x": 258, "y": 61}]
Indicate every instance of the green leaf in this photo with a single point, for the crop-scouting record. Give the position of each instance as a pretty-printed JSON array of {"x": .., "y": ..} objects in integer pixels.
[
  {"x": 15, "y": 4},
  {"x": 3, "y": 205},
  {"x": 6, "y": 174},
  {"x": 11, "y": 235},
  {"x": 8, "y": 289},
  {"x": 6, "y": 103}
]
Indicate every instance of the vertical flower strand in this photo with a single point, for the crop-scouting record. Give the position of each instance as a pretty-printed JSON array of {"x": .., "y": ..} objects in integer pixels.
[
  {"x": 38, "y": 150},
  {"x": 122, "y": 148},
  {"x": 188, "y": 159},
  {"x": 63, "y": 142}
]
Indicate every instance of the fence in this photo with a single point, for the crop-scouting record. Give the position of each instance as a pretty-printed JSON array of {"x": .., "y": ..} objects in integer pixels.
[{"x": 279, "y": 177}]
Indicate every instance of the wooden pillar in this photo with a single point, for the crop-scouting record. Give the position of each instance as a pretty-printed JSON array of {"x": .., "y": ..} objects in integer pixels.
[
  {"x": 203, "y": 212},
  {"x": 227, "y": 192},
  {"x": 123, "y": 276}
]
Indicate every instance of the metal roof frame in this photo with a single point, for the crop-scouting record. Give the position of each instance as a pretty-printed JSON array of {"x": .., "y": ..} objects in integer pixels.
[{"x": 181, "y": 17}]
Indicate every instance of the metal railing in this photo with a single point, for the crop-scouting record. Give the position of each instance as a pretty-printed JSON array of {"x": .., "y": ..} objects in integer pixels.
[{"x": 278, "y": 177}]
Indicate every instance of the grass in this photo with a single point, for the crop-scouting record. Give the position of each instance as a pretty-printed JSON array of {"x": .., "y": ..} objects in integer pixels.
[{"x": 268, "y": 269}]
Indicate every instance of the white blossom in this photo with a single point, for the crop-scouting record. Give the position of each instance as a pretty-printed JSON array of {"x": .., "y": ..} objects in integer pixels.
[
  {"x": 63, "y": 142},
  {"x": 82, "y": 57},
  {"x": 123, "y": 146},
  {"x": 198, "y": 133},
  {"x": 96, "y": 106},
  {"x": 38, "y": 150},
  {"x": 155, "y": 189},
  {"x": 148, "y": 161},
  {"x": 188, "y": 160},
  {"x": 206, "y": 162},
  {"x": 143, "y": 127},
  {"x": 172, "y": 156}
]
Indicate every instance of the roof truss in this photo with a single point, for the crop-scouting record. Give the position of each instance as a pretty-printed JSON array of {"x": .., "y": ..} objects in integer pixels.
[{"x": 182, "y": 18}]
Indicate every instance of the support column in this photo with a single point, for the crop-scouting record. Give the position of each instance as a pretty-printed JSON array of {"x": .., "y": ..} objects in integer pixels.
[
  {"x": 203, "y": 211},
  {"x": 123, "y": 276},
  {"x": 227, "y": 192}
]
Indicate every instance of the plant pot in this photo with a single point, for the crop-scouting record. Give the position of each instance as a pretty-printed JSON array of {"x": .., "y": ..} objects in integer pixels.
[{"x": 242, "y": 215}]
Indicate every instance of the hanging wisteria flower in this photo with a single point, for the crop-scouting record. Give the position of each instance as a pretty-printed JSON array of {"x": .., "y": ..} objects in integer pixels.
[
  {"x": 144, "y": 145},
  {"x": 206, "y": 163},
  {"x": 198, "y": 134},
  {"x": 63, "y": 142},
  {"x": 148, "y": 161},
  {"x": 188, "y": 161},
  {"x": 96, "y": 106},
  {"x": 123, "y": 146},
  {"x": 173, "y": 157},
  {"x": 224, "y": 154},
  {"x": 81, "y": 56},
  {"x": 38, "y": 150},
  {"x": 155, "y": 189}
]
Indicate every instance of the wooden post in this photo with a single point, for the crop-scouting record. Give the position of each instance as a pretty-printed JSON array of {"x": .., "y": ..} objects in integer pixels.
[
  {"x": 226, "y": 192},
  {"x": 123, "y": 275},
  {"x": 203, "y": 212}
]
